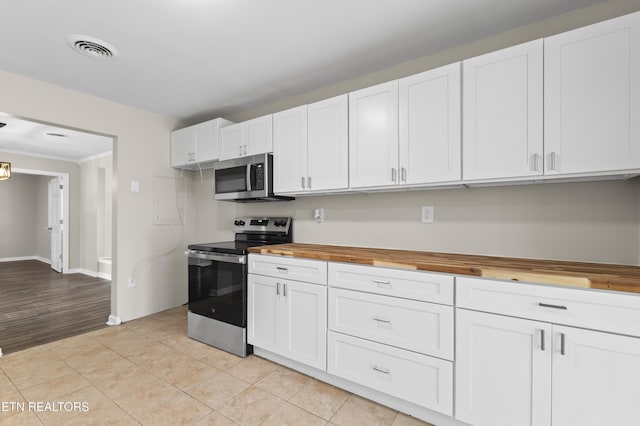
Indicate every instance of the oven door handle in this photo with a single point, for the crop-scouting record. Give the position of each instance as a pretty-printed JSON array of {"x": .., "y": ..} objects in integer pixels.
[{"x": 220, "y": 257}]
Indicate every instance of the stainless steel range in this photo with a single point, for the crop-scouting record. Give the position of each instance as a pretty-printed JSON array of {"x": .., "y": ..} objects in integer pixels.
[{"x": 218, "y": 282}]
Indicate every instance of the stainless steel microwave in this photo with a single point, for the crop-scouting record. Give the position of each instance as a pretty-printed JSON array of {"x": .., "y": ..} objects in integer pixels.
[{"x": 245, "y": 179}]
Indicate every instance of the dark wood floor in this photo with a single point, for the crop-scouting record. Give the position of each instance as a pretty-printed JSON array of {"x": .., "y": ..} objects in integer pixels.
[{"x": 39, "y": 305}]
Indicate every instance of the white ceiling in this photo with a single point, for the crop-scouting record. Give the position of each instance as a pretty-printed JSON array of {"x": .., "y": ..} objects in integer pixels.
[
  {"x": 198, "y": 59},
  {"x": 28, "y": 137}
]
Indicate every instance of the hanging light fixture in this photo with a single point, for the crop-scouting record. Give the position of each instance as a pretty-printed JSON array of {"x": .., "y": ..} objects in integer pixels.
[{"x": 5, "y": 170}]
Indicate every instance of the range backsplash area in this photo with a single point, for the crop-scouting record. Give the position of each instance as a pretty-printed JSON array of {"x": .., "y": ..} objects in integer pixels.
[{"x": 586, "y": 221}]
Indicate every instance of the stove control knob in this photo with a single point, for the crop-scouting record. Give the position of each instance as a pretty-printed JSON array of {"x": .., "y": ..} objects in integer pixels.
[
  {"x": 238, "y": 222},
  {"x": 281, "y": 223}
]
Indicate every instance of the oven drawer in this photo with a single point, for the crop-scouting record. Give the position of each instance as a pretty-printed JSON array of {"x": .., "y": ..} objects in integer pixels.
[
  {"x": 311, "y": 271},
  {"x": 420, "y": 379},
  {"x": 417, "y": 326},
  {"x": 416, "y": 285}
]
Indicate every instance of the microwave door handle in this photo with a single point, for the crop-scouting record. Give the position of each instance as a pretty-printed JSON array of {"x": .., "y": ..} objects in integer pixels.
[{"x": 248, "y": 177}]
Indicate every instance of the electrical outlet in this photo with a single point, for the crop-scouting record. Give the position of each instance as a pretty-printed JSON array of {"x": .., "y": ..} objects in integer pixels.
[
  {"x": 132, "y": 282},
  {"x": 318, "y": 215},
  {"x": 427, "y": 214}
]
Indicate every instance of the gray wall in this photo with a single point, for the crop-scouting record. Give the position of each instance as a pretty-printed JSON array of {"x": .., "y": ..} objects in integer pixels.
[{"x": 18, "y": 221}]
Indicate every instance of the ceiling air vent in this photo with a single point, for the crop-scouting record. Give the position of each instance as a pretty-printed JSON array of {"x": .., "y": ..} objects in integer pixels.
[
  {"x": 56, "y": 135},
  {"x": 92, "y": 47}
]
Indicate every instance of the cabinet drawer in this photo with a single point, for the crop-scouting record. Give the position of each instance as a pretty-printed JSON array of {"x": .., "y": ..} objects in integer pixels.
[
  {"x": 598, "y": 310},
  {"x": 311, "y": 271},
  {"x": 414, "y": 285},
  {"x": 416, "y": 378},
  {"x": 417, "y": 326}
]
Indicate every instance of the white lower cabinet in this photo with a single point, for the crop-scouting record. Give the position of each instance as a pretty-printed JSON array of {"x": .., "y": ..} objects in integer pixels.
[
  {"x": 420, "y": 379},
  {"x": 288, "y": 318},
  {"x": 513, "y": 371}
]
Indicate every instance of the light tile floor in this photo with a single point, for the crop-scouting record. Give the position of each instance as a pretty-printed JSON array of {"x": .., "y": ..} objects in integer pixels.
[{"x": 149, "y": 372}]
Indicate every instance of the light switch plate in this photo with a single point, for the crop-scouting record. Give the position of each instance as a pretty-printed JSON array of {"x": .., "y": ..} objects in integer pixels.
[{"x": 427, "y": 214}]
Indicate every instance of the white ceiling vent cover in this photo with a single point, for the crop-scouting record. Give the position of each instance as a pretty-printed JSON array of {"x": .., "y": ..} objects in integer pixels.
[{"x": 92, "y": 47}]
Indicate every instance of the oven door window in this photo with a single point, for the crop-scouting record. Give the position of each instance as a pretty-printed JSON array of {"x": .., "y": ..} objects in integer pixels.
[
  {"x": 218, "y": 290},
  {"x": 233, "y": 179}
]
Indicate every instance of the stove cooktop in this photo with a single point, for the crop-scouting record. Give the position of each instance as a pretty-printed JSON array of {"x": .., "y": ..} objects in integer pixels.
[{"x": 230, "y": 247}]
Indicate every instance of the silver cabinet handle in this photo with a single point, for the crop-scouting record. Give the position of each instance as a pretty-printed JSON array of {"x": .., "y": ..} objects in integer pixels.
[
  {"x": 542, "y": 348},
  {"x": 547, "y": 305},
  {"x": 277, "y": 289},
  {"x": 562, "y": 344},
  {"x": 384, "y": 320},
  {"x": 245, "y": 150},
  {"x": 302, "y": 182},
  {"x": 382, "y": 282},
  {"x": 284, "y": 290},
  {"x": 553, "y": 161},
  {"x": 240, "y": 150},
  {"x": 381, "y": 370},
  {"x": 403, "y": 174},
  {"x": 309, "y": 182},
  {"x": 536, "y": 162},
  {"x": 394, "y": 174},
  {"x": 282, "y": 269}
]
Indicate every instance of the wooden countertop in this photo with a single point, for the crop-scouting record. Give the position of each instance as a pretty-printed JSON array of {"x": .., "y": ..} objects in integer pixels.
[{"x": 578, "y": 274}]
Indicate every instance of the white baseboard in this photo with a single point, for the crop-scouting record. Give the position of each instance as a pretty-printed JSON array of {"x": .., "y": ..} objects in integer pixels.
[
  {"x": 114, "y": 320},
  {"x": 104, "y": 276},
  {"x": 17, "y": 259}
]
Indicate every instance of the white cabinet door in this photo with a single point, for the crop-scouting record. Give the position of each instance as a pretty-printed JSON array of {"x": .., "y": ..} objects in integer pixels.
[
  {"x": 263, "y": 312},
  {"x": 502, "y": 113},
  {"x": 503, "y": 370},
  {"x": 328, "y": 144},
  {"x": 258, "y": 135},
  {"x": 373, "y": 136},
  {"x": 592, "y": 98},
  {"x": 430, "y": 144},
  {"x": 231, "y": 141},
  {"x": 596, "y": 378},
  {"x": 183, "y": 147},
  {"x": 206, "y": 136},
  {"x": 290, "y": 150},
  {"x": 304, "y": 327}
]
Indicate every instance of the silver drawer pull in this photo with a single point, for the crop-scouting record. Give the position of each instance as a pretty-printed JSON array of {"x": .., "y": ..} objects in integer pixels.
[
  {"x": 277, "y": 289},
  {"x": 546, "y": 305},
  {"x": 381, "y": 370},
  {"x": 542, "y": 348},
  {"x": 281, "y": 269},
  {"x": 563, "y": 349},
  {"x": 382, "y": 282},
  {"x": 384, "y": 320}
]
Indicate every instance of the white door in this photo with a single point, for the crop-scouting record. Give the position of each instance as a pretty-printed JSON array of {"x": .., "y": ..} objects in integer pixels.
[
  {"x": 328, "y": 144},
  {"x": 263, "y": 312},
  {"x": 430, "y": 114},
  {"x": 592, "y": 98},
  {"x": 596, "y": 378},
  {"x": 305, "y": 323},
  {"x": 183, "y": 147},
  {"x": 502, "y": 113},
  {"x": 503, "y": 370},
  {"x": 373, "y": 136},
  {"x": 290, "y": 150},
  {"x": 55, "y": 222},
  {"x": 206, "y": 137}
]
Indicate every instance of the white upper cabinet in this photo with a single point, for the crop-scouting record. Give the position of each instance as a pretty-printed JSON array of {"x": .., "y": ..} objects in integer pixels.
[
  {"x": 503, "y": 118},
  {"x": 328, "y": 144},
  {"x": 592, "y": 98},
  {"x": 290, "y": 150},
  {"x": 430, "y": 126},
  {"x": 311, "y": 147},
  {"x": 247, "y": 138},
  {"x": 373, "y": 136},
  {"x": 196, "y": 146}
]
